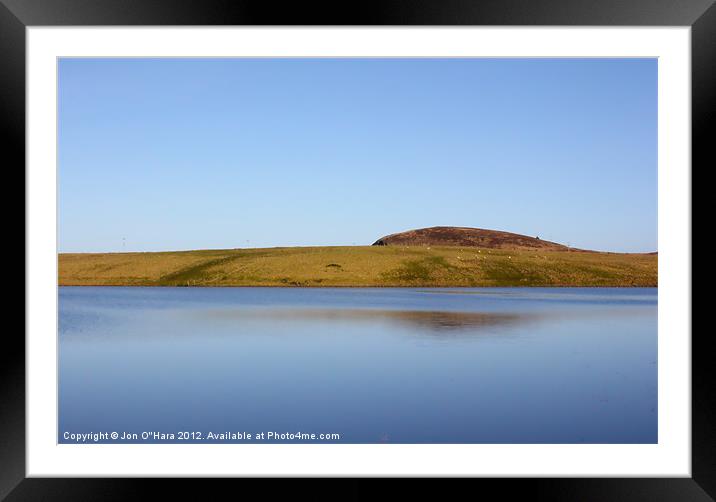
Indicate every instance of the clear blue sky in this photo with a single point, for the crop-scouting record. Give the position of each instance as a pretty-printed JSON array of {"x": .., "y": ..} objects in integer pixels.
[{"x": 172, "y": 154}]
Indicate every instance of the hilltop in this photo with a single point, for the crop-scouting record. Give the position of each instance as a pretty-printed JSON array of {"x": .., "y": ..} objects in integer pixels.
[{"x": 469, "y": 237}]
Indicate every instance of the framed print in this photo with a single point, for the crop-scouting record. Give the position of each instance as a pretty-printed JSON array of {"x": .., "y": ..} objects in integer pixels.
[{"x": 438, "y": 240}]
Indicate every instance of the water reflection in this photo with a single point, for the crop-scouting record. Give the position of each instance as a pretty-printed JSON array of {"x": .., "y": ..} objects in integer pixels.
[
  {"x": 375, "y": 365},
  {"x": 429, "y": 320},
  {"x": 561, "y": 295}
]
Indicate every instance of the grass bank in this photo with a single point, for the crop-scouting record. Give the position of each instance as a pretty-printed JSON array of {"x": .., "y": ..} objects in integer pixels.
[{"x": 358, "y": 266}]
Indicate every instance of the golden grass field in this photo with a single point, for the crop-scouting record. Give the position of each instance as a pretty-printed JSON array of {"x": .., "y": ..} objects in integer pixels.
[{"x": 381, "y": 266}]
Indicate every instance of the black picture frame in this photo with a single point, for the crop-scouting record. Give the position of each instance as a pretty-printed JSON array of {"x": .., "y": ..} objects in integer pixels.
[{"x": 16, "y": 15}]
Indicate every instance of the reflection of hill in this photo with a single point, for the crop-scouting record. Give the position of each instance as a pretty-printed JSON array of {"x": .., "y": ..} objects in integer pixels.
[
  {"x": 440, "y": 320},
  {"x": 436, "y": 321}
]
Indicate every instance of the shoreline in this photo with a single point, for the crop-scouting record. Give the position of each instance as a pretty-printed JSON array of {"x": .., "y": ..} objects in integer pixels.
[{"x": 271, "y": 286}]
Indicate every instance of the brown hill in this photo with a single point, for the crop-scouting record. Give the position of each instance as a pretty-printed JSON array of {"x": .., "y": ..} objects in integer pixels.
[{"x": 464, "y": 236}]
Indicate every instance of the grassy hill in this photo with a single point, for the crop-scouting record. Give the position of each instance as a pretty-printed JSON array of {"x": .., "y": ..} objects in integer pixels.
[
  {"x": 469, "y": 237},
  {"x": 360, "y": 266}
]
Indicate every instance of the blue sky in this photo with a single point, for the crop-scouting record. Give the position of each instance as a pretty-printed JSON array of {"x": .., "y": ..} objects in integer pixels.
[{"x": 169, "y": 154}]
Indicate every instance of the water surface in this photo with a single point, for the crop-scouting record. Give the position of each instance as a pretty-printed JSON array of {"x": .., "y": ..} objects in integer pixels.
[{"x": 497, "y": 365}]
